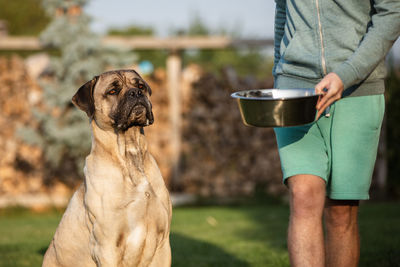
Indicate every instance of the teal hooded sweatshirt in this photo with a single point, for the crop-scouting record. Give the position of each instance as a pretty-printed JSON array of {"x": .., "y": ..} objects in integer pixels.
[{"x": 348, "y": 37}]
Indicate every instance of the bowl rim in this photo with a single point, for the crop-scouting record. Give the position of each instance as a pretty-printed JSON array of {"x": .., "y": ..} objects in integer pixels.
[{"x": 237, "y": 96}]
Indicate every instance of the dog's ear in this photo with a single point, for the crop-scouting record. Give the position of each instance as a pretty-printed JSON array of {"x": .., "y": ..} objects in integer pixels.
[{"x": 84, "y": 99}]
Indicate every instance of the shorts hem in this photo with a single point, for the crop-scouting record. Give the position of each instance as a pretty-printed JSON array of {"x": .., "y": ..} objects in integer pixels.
[
  {"x": 348, "y": 196},
  {"x": 293, "y": 173}
]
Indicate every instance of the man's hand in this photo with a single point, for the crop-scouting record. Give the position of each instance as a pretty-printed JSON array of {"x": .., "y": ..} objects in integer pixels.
[{"x": 333, "y": 92}]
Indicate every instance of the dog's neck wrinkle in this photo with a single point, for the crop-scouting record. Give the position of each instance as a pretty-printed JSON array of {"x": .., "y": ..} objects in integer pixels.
[{"x": 128, "y": 147}]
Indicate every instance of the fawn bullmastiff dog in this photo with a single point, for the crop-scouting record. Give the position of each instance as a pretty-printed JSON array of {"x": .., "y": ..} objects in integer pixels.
[{"x": 121, "y": 214}]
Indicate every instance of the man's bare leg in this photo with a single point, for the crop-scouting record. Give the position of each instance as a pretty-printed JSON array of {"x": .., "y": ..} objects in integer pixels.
[
  {"x": 305, "y": 235},
  {"x": 342, "y": 241}
]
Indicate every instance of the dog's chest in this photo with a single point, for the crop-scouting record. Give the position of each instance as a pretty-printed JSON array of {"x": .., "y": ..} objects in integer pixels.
[
  {"x": 147, "y": 207},
  {"x": 147, "y": 221},
  {"x": 126, "y": 207}
]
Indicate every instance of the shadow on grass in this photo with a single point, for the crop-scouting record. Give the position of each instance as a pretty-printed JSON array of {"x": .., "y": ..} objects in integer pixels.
[
  {"x": 270, "y": 221},
  {"x": 379, "y": 230},
  {"x": 42, "y": 251},
  {"x": 270, "y": 224},
  {"x": 379, "y": 234},
  {"x": 188, "y": 252}
]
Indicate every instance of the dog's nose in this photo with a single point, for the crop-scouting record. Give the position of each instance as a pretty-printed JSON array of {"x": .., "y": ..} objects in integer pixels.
[{"x": 135, "y": 92}]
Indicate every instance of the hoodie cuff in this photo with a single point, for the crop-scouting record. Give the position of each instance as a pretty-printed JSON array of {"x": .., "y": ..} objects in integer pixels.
[{"x": 347, "y": 74}]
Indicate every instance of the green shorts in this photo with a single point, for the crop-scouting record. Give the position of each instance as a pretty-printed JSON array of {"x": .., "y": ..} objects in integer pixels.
[{"x": 341, "y": 148}]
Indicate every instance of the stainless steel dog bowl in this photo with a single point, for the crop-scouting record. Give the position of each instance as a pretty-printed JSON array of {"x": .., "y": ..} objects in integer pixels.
[{"x": 277, "y": 107}]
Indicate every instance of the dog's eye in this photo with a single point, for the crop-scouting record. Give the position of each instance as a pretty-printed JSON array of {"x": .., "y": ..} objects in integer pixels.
[
  {"x": 140, "y": 86},
  {"x": 113, "y": 92}
]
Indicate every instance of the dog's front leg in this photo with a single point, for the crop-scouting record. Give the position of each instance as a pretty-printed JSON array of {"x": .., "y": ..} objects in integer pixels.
[
  {"x": 103, "y": 240},
  {"x": 122, "y": 249},
  {"x": 102, "y": 250},
  {"x": 115, "y": 239}
]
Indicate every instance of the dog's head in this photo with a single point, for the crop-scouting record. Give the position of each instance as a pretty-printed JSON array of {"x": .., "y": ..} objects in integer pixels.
[{"x": 117, "y": 99}]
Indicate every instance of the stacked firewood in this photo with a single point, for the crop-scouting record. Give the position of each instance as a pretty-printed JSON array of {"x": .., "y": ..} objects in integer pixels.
[
  {"x": 19, "y": 161},
  {"x": 21, "y": 165},
  {"x": 158, "y": 134},
  {"x": 221, "y": 156}
]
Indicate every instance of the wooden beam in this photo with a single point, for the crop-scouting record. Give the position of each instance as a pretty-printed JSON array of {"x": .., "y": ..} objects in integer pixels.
[
  {"x": 181, "y": 43},
  {"x": 170, "y": 43},
  {"x": 174, "y": 67},
  {"x": 20, "y": 43}
]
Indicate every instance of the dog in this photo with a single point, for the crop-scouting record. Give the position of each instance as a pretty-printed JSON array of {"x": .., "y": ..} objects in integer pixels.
[{"x": 121, "y": 214}]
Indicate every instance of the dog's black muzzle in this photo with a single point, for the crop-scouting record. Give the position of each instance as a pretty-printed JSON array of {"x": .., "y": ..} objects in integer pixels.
[
  {"x": 135, "y": 93},
  {"x": 129, "y": 109}
]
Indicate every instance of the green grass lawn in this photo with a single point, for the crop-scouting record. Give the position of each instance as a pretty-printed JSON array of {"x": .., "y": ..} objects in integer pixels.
[{"x": 242, "y": 235}]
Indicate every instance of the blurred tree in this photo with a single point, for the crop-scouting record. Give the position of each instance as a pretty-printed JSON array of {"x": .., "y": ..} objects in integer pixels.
[
  {"x": 196, "y": 28},
  {"x": 246, "y": 62},
  {"x": 23, "y": 17},
  {"x": 156, "y": 57},
  {"x": 63, "y": 131},
  {"x": 132, "y": 31}
]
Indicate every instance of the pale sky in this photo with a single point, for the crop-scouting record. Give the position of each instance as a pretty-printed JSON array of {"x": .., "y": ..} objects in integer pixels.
[{"x": 253, "y": 18}]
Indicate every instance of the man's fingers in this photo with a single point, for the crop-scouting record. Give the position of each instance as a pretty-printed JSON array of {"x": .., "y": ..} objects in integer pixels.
[
  {"x": 324, "y": 88},
  {"x": 334, "y": 85},
  {"x": 319, "y": 114},
  {"x": 319, "y": 88},
  {"x": 330, "y": 94},
  {"x": 322, "y": 109},
  {"x": 322, "y": 100},
  {"x": 321, "y": 95},
  {"x": 326, "y": 104}
]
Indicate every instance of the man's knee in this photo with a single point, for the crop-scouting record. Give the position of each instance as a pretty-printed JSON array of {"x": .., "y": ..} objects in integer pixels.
[
  {"x": 307, "y": 195},
  {"x": 341, "y": 214}
]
